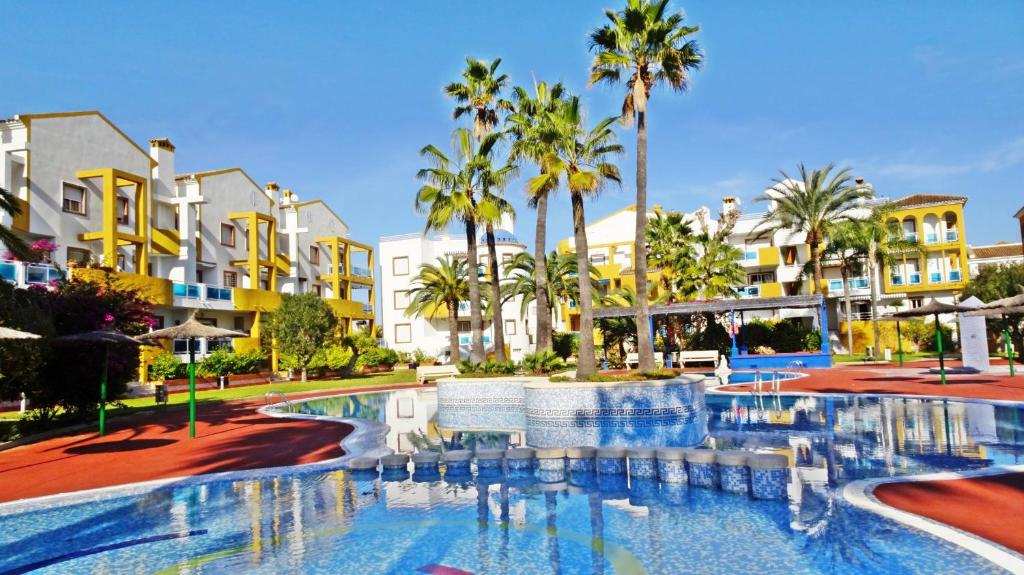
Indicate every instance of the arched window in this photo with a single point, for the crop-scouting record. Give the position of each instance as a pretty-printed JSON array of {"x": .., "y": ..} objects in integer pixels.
[
  {"x": 894, "y": 228},
  {"x": 949, "y": 222},
  {"x": 910, "y": 229},
  {"x": 931, "y": 229}
]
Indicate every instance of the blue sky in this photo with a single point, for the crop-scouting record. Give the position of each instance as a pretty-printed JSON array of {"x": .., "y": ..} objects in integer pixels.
[{"x": 334, "y": 99}]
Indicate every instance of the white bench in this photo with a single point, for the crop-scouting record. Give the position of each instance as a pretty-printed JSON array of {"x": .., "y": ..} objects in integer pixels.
[
  {"x": 425, "y": 373},
  {"x": 634, "y": 359},
  {"x": 698, "y": 356}
]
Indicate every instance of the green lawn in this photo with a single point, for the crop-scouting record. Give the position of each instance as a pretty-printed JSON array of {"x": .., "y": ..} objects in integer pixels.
[
  {"x": 907, "y": 356},
  {"x": 8, "y": 420}
]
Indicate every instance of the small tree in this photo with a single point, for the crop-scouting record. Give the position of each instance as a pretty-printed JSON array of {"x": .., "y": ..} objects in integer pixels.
[{"x": 302, "y": 325}]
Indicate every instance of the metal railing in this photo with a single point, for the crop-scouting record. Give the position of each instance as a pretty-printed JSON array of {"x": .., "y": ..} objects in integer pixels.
[{"x": 200, "y": 291}]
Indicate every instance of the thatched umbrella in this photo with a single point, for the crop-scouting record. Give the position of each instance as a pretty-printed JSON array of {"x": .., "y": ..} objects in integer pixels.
[
  {"x": 932, "y": 308},
  {"x": 191, "y": 330},
  {"x": 1002, "y": 308},
  {"x": 106, "y": 338}
]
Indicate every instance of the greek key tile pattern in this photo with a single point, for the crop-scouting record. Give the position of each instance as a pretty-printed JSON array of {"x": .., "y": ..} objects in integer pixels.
[
  {"x": 642, "y": 468},
  {"x": 769, "y": 483},
  {"x": 611, "y": 465},
  {"x": 734, "y": 478},
  {"x": 702, "y": 474},
  {"x": 672, "y": 471}
]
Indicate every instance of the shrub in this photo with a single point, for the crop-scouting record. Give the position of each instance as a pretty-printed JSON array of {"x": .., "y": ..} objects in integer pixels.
[
  {"x": 812, "y": 341},
  {"x": 377, "y": 357},
  {"x": 166, "y": 366},
  {"x": 565, "y": 345},
  {"x": 543, "y": 362},
  {"x": 498, "y": 367},
  {"x": 225, "y": 362},
  {"x": 331, "y": 358}
]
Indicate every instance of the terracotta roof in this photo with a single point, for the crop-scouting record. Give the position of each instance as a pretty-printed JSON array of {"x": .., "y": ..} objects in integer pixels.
[
  {"x": 1001, "y": 250},
  {"x": 1019, "y": 214},
  {"x": 927, "y": 200}
]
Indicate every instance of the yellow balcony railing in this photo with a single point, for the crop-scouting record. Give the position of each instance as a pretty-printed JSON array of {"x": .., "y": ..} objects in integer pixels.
[
  {"x": 21, "y": 221},
  {"x": 156, "y": 291},
  {"x": 769, "y": 256}
]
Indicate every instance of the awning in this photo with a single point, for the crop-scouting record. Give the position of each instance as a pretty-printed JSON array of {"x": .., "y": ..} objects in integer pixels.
[{"x": 717, "y": 306}]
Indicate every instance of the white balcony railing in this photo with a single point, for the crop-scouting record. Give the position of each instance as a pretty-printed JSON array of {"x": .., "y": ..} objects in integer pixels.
[{"x": 24, "y": 274}]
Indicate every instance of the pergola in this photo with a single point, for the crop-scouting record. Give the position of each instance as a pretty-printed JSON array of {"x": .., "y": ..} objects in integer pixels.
[{"x": 731, "y": 306}]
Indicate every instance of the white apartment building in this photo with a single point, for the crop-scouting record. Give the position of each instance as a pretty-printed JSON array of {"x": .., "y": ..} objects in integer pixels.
[
  {"x": 214, "y": 243},
  {"x": 400, "y": 259},
  {"x": 997, "y": 254}
]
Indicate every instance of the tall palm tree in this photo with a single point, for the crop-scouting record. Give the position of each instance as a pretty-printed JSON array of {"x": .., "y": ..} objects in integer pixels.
[
  {"x": 812, "y": 204},
  {"x": 479, "y": 95},
  {"x": 847, "y": 249},
  {"x": 453, "y": 193},
  {"x": 14, "y": 243},
  {"x": 579, "y": 160},
  {"x": 643, "y": 47},
  {"x": 526, "y": 126},
  {"x": 441, "y": 287}
]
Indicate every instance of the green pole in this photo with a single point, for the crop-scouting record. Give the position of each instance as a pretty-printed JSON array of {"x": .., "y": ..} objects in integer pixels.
[
  {"x": 191, "y": 387},
  {"x": 899, "y": 343},
  {"x": 1009, "y": 349},
  {"x": 938, "y": 344},
  {"x": 103, "y": 391}
]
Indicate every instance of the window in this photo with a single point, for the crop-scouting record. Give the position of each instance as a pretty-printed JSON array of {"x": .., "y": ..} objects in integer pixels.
[
  {"x": 120, "y": 262},
  {"x": 506, "y": 258},
  {"x": 239, "y": 323},
  {"x": 401, "y": 298},
  {"x": 314, "y": 255},
  {"x": 400, "y": 266},
  {"x": 199, "y": 276},
  {"x": 122, "y": 210},
  {"x": 464, "y": 327},
  {"x": 159, "y": 319},
  {"x": 79, "y": 256},
  {"x": 227, "y": 235},
  {"x": 231, "y": 279},
  {"x": 915, "y": 302},
  {"x": 598, "y": 259},
  {"x": 317, "y": 290},
  {"x": 835, "y": 285},
  {"x": 74, "y": 199},
  {"x": 510, "y": 327},
  {"x": 767, "y": 278},
  {"x": 789, "y": 255},
  {"x": 403, "y": 333}
]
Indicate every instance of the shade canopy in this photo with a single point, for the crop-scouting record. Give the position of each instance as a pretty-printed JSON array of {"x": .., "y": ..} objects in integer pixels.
[
  {"x": 190, "y": 329},
  {"x": 8, "y": 333},
  {"x": 998, "y": 311},
  {"x": 1006, "y": 302},
  {"x": 101, "y": 336},
  {"x": 931, "y": 308}
]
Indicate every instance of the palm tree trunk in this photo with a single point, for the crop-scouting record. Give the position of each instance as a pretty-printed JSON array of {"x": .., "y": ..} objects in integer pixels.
[
  {"x": 849, "y": 310},
  {"x": 815, "y": 268},
  {"x": 453, "y": 333},
  {"x": 645, "y": 348},
  {"x": 872, "y": 270},
  {"x": 476, "y": 320},
  {"x": 497, "y": 321},
  {"x": 540, "y": 273},
  {"x": 585, "y": 365}
]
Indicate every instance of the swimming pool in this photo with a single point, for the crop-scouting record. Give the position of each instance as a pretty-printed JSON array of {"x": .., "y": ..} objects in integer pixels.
[{"x": 336, "y": 521}]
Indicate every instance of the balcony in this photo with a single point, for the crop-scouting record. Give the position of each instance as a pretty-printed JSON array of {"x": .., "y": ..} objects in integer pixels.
[
  {"x": 24, "y": 274},
  {"x": 853, "y": 283},
  {"x": 361, "y": 272},
  {"x": 367, "y": 308},
  {"x": 910, "y": 236},
  {"x": 202, "y": 296},
  {"x": 952, "y": 236}
]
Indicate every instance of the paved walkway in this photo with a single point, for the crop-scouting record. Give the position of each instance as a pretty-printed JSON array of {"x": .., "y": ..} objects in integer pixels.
[
  {"x": 230, "y": 436},
  {"x": 910, "y": 380},
  {"x": 991, "y": 506}
]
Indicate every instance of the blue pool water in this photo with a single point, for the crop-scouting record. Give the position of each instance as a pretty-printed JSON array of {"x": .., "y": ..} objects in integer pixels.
[{"x": 340, "y": 522}]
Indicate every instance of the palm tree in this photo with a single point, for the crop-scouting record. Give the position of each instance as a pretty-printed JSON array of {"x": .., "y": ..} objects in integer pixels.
[
  {"x": 670, "y": 251},
  {"x": 562, "y": 283},
  {"x": 526, "y": 126},
  {"x": 579, "y": 160},
  {"x": 479, "y": 95},
  {"x": 618, "y": 331},
  {"x": 14, "y": 243},
  {"x": 812, "y": 204},
  {"x": 453, "y": 192},
  {"x": 441, "y": 287},
  {"x": 651, "y": 48},
  {"x": 847, "y": 250}
]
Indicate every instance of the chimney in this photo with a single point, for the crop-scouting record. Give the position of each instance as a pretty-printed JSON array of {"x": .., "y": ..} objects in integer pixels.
[
  {"x": 161, "y": 150},
  {"x": 730, "y": 203},
  {"x": 271, "y": 190}
]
